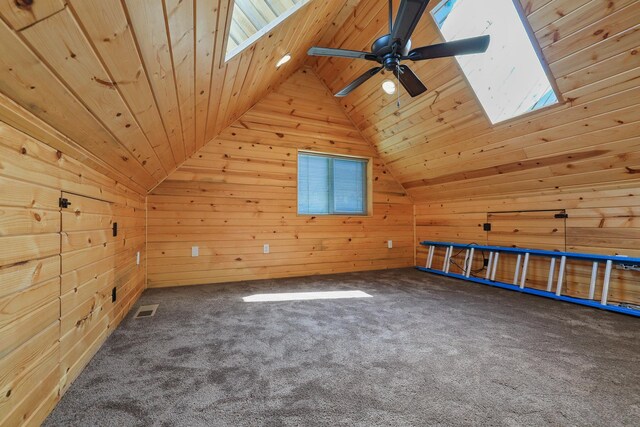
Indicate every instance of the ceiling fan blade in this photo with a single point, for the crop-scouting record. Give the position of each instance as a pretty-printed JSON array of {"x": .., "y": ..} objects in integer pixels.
[
  {"x": 357, "y": 82},
  {"x": 459, "y": 47},
  {"x": 410, "y": 81},
  {"x": 409, "y": 13},
  {"x": 342, "y": 53}
]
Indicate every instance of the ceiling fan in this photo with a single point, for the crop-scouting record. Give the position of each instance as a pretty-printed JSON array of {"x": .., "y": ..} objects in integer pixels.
[{"x": 390, "y": 49}]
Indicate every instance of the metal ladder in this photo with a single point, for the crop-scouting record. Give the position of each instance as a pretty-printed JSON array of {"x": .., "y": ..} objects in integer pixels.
[{"x": 522, "y": 264}]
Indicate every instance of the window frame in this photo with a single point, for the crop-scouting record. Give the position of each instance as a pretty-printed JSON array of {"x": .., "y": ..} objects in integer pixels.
[
  {"x": 368, "y": 182},
  {"x": 536, "y": 48},
  {"x": 254, "y": 38}
]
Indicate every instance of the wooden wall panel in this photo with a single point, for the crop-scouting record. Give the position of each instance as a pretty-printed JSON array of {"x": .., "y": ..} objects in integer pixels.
[
  {"x": 61, "y": 44},
  {"x": 27, "y": 81},
  {"x": 141, "y": 85},
  {"x": 106, "y": 26},
  {"x": 20, "y": 14},
  {"x": 441, "y": 146},
  {"x": 603, "y": 220},
  {"x": 239, "y": 192},
  {"x": 35, "y": 366},
  {"x": 582, "y": 155}
]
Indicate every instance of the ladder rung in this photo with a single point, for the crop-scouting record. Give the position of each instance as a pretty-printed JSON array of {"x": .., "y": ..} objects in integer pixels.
[
  {"x": 469, "y": 265},
  {"x": 517, "y": 272},
  {"x": 552, "y": 271},
  {"x": 605, "y": 285},
  {"x": 495, "y": 266},
  {"x": 563, "y": 262},
  {"x": 430, "y": 256},
  {"x": 594, "y": 277},
  {"x": 524, "y": 270},
  {"x": 489, "y": 266},
  {"x": 464, "y": 265}
]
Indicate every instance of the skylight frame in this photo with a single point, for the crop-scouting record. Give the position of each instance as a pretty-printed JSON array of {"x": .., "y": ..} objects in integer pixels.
[
  {"x": 541, "y": 59},
  {"x": 227, "y": 56}
]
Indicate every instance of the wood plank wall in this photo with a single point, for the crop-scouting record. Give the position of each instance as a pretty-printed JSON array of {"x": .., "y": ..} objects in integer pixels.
[
  {"x": 36, "y": 364},
  {"x": 239, "y": 192},
  {"x": 440, "y": 146},
  {"x": 457, "y": 167},
  {"x": 141, "y": 85},
  {"x": 581, "y": 156},
  {"x": 602, "y": 220}
]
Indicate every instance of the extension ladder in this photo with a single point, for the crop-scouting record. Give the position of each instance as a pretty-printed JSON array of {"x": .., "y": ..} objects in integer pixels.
[{"x": 522, "y": 264}]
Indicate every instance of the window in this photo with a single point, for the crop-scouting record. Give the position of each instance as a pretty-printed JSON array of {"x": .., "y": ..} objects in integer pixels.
[
  {"x": 509, "y": 79},
  {"x": 251, "y": 19},
  {"x": 332, "y": 185}
]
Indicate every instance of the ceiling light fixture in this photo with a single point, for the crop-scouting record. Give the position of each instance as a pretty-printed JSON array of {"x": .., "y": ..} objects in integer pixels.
[
  {"x": 389, "y": 87},
  {"x": 283, "y": 60}
]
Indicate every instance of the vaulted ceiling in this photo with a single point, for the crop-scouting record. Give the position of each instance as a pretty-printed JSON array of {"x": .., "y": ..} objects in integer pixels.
[
  {"x": 441, "y": 145},
  {"x": 133, "y": 88}
]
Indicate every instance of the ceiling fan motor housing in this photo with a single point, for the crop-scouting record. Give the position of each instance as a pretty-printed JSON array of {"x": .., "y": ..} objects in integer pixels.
[
  {"x": 389, "y": 50},
  {"x": 385, "y": 50}
]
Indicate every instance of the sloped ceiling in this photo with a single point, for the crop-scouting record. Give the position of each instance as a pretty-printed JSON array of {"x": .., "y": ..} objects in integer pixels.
[
  {"x": 136, "y": 87},
  {"x": 441, "y": 146}
]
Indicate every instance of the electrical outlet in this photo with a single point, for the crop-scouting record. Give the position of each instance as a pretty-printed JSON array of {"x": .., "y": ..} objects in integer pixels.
[
  {"x": 265, "y": 248},
  {"x": 195, "y": 251},
  {"x": 138, "y": 258},
  {"x": 389, "y": 244}
]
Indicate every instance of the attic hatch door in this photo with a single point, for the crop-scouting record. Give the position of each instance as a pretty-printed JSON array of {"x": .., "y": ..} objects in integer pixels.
[
  {"x": 90, "y": 245},
  {"x": 541, "y": 229}
]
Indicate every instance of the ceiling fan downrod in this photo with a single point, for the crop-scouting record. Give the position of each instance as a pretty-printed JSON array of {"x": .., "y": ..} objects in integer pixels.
[{"x": 391, "y": 49}]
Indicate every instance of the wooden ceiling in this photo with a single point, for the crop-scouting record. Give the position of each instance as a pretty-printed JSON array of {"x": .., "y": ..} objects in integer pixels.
[
  {"x": 440, "y": 146},
  {"x": 250, "y": 16},
  {"x": 135, "y": 87}
]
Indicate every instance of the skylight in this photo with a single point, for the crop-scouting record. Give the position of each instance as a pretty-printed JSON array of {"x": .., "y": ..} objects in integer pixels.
[
  {"x": 509, "y": 79},
  {"x": 251, "y": 19}
]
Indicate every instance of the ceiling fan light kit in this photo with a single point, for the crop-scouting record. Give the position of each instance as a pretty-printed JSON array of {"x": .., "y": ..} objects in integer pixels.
[
  {"x": 393, "y": 48},
  {"x": 389, "y": 87}
]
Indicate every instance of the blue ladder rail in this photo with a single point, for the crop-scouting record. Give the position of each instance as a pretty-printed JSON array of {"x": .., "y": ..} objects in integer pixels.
[{"x": 520, "y": 275}]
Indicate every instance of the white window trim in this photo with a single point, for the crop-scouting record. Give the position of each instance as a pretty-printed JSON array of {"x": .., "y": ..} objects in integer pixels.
[{"x": 270, "y": 26}]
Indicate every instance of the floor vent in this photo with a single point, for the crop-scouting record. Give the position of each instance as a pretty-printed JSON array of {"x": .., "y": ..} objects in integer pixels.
[{"x": 146, "y": 311}]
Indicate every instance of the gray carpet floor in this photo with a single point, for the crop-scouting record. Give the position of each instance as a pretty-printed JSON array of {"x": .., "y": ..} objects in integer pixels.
[{"x": 424, "y": 350}]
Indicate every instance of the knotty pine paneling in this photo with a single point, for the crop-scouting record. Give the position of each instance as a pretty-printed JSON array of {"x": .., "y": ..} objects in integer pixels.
[
  {"x": 603, "y": 220},
  {"x": 440, "y": 146},
  {"x": 139, "y": 86},
  {"x": 582, "y": 155},
  {"x": 239, "y": 192},
  {"x": 35, "y": 365}
]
